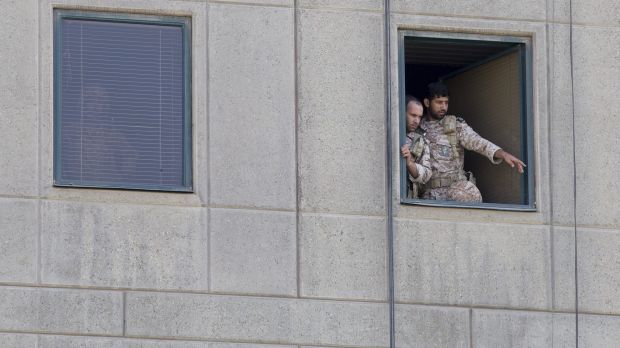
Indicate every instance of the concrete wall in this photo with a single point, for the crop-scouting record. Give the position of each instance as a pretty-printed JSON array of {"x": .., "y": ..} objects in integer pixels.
[{"x": 283, "y": 243}]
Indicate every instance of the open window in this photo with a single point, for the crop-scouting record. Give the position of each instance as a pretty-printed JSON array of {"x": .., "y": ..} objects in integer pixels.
[{"x": 489, "y": 78}]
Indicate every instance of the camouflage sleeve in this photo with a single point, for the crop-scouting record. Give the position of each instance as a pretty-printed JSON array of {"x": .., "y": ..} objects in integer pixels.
[
  {"x": 423, "y": 164},
  {"x": 474, "y": 142}
]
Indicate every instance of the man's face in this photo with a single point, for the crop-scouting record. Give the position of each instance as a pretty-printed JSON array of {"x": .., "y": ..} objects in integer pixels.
[
  {"x": 437, "y": 107},
  {"x": 414, "y": 115}
]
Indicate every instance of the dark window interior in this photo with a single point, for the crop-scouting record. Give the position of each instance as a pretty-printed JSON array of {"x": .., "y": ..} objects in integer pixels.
[{"x": 487, "y": 88}]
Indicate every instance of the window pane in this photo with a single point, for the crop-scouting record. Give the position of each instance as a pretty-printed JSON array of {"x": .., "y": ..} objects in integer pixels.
[{"x": 121, "y": 103}]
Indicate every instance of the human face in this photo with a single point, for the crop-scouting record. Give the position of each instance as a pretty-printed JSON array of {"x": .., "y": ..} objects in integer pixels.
[
  {"x": 437, "y": 107},
  {"x": 414, "y": 115}
]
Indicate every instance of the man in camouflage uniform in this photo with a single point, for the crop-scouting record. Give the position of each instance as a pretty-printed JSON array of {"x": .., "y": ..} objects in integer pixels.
[
  {"x": 416, "y": 150},
  {"x": 449, "y": 136}
]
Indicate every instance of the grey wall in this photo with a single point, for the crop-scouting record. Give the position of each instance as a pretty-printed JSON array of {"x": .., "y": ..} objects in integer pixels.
[{"x": 283, "y": 243}]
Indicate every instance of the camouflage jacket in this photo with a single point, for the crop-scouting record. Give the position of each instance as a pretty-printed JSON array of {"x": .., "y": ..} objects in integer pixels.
[
  {"x": 419, "y": 147},
  {"x": 444, "y": 161}
]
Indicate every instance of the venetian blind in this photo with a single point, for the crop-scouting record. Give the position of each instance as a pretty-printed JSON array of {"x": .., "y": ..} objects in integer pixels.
[{"x": 121, "y": 114}]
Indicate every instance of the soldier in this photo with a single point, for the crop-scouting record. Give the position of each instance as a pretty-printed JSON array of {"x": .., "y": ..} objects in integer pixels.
[
  {"x": 448, "y": 137},
  {"x": 415, "y": 151}
]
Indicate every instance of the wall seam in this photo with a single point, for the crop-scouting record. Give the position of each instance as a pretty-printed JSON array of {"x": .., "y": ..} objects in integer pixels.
[
  {"x": 389, "y": 214},
  {"x": 297, "y": 147},
  {"x": 471, "y": 327},
  {"x": 256, "y": 296},
  {"x": 185, "y": 339},
  {"x": 39, "y": 100},
  {"x": 507, "y": 19},
  {"x": 124, "y": 313},
  {"x": 572, "y": 92},
  {"x": 207, "y": 228},
  {"x": 208, "y": 106},
  {"x": 468, "y": 17},
  {"x": 343, "y": 9},
  {"x": 38, "y": 120},
  {"x": 209, "y": 251},
  {"x": 550, "y": 11},
  {"x": 247, "y": 3},
  {"x": 38, "y": 243}
]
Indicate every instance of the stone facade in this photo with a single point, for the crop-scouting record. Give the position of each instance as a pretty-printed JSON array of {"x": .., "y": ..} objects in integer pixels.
[{"x": 283, "y": 243}]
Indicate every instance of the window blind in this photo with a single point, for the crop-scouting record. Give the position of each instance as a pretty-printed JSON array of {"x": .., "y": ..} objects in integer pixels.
[{"x": 122, "y": 104}]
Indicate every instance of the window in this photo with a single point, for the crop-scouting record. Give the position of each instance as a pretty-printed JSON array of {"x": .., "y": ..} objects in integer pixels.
[
  {"x": 122, "y": 115},
  {"x": 489, "y": 80}
]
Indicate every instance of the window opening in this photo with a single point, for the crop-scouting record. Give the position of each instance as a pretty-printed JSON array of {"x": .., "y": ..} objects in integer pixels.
[{"x": 488, "y": 78}]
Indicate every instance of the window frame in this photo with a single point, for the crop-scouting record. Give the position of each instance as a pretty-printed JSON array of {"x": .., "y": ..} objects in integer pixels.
[
  {"x": 526, "y": 122},
  {"x": 129, "y": 18}
]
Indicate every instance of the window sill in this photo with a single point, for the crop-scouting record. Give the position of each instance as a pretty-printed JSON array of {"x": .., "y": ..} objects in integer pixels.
[{"x": 484, "y": 206}]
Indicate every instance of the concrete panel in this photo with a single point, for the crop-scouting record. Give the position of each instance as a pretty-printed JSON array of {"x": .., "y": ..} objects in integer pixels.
[
  {"x": 253, "y": 252},
  {"x": 598, "y": 270},
  {"x": 19, "y": 98},
  {"x": 558, "y": 11},
  {"x": 246, "y": 345},
  {"x": 252, "y": 106},
  {"x": 343, "y": 257},
  {"x": 495, "y": 328},
  {"x": 108, "y": 342},
  {"x": 356, "y": 324},
  {"x": 288, "y": 3},
  {"x": 564, "y": 268},
  {"x": 341, "y": 105},
  {"x": 197, "y": 12},
  {"x": 472, "y": 264},
  {"x": 376, "y": 5},
  {"x": 597, "y": 81},
  {"x": 61, "y": 310},
  {"x": 591, "y": 13},
  {"x": 530, "y": 9},
  {"x": 561, "y": 132},
  {"x": 424, "y": 326},
  {"x": 597, "y": 12},
  {"x": 117, "y": 245},
  {"x": 288, "y": 321},
  {"x": 564, "y": 331},
  {"x": 18, "y": 240},
  {"x": 10, "y": 340},
  {"x": 599, "y": 331}
]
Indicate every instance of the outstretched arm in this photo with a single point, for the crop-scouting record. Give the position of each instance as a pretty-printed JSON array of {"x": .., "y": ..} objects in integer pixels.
[
  {"x": 510, "y": 160},
  {"x": 474, "y": 142}
]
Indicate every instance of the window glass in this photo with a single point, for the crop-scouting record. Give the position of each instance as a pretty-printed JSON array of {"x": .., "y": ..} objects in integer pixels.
[{"x": 121, "y": 102}]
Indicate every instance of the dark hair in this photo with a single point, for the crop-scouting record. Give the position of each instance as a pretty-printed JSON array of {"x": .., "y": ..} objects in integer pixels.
[
  {"x": 436, "y": 90},
  {"x": 412, "y": 99}
]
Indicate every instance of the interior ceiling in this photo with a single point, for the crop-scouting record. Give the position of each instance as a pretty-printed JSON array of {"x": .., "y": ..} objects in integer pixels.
[{"x": 447, "y": 52}]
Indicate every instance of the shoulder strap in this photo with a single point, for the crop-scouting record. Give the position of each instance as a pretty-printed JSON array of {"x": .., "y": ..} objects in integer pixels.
[{"x": 449, "y": 129}]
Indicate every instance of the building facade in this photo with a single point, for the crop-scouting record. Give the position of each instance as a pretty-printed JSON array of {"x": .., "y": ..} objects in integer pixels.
[{"x": 286, "y": 236}]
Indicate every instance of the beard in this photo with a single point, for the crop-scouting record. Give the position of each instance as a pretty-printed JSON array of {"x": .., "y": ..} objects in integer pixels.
[{"x": 437, "y": 116}]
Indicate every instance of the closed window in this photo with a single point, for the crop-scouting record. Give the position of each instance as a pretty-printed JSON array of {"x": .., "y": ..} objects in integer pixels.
[{"x": 122, "y": 115}]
